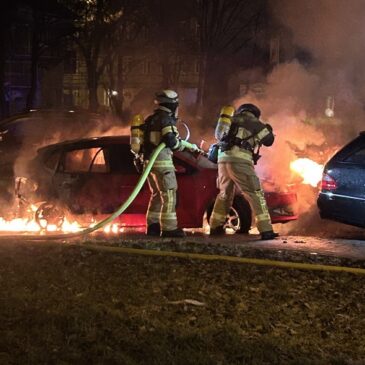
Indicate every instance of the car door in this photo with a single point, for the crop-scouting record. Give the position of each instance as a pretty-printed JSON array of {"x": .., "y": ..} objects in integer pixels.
[
  {"x": 81, "y": 180},
  {"x": 124, "y": 178},
  {"x": 349, "y": 174}
]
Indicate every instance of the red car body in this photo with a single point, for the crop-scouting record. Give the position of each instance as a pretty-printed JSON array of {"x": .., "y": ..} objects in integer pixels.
[{"x": 101, "y": 185}]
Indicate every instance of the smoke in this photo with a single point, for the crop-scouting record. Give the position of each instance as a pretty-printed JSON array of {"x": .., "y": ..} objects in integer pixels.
[
  {"x": 332, "y": 32},
  {"x": 296, "y": 96},
  {"x": 37, "y": 129},
  {"x": 44, "y": 129}
]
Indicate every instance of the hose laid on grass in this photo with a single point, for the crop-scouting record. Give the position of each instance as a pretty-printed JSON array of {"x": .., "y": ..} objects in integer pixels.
[
  {"x": 118, "y": 212},
  {"x": 213, "y": 257}
]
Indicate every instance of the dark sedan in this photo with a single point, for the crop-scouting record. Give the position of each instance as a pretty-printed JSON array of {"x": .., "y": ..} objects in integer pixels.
[{"x": 342, "y": 196}]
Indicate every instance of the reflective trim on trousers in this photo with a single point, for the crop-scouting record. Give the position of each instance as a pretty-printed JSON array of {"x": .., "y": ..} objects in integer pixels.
[
  {"x": 168, "y": 216},
  {"x": 217, "y": 219},
  {"x": 262, "y": 217},
  {"x": 261, "y": 196},
  {"x": 155, "y": 216},
  {"x": 171, "y": 201}
]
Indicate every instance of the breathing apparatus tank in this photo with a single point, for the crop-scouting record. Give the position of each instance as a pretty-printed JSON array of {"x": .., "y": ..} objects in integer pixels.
[
  {"x": 221, "y": 130},
  {"x": 224, "y": 121},
  {"x": 137, "y": 126}
]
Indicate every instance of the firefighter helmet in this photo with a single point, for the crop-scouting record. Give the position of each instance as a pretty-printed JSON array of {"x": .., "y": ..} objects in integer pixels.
[
  {"x": 167, "y": 97},
  {"x": 249, "y": 108}
]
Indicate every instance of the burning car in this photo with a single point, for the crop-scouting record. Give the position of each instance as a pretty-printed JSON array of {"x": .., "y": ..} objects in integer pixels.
[
  {"x": 94, "y": 176},
  {"x": 342, "y": 195},
  {"x": 22, "y": 134}
]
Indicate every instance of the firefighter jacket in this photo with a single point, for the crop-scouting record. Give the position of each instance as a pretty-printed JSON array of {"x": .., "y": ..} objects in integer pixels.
[
  {"x": 161, "y": 127},
  {"x": 242, "y": 137}
]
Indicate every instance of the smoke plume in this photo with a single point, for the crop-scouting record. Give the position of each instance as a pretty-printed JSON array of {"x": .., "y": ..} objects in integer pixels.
[{"x": 298, "y": 93}]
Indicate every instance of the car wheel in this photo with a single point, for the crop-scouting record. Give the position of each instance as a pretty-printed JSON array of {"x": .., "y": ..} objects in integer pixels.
[
  {"x": 49, "y": 214},
  {"x": 239, "y": 217}
]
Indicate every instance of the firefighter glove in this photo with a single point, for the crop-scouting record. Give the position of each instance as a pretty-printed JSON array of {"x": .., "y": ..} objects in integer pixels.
[{"x": 189, "y": 146}]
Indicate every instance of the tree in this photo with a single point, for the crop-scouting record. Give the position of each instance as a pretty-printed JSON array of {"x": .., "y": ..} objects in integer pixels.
[
  {"x": 127, "y": 38},
  {"x": 50, "y": 28},
  {"x": 98, "y": 23},
  {"x": 170, "y": 30},
  {"x": 225, "y": 28}
]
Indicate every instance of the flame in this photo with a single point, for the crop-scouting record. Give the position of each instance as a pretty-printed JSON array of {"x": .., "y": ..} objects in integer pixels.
[
  {"x": 309, "y": 170},
  {"x": 30, "y": 225}
]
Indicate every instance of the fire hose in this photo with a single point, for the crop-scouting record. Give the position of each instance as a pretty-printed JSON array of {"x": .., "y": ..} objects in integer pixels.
[{"x": 102, "y": 223}]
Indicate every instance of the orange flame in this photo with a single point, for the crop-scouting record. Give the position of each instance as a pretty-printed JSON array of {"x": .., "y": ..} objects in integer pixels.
[
  {"x": 30, "y": 225},
  {"x": 309, "y": 170}
]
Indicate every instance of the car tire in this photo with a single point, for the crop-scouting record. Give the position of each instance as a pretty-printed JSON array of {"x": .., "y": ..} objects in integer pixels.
[
  {"x": 50, "y": 213},
  {"x": 241, "y": 210}
]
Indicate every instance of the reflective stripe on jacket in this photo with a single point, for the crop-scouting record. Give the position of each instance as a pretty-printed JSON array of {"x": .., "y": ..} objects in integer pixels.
[{"x": 161, "y": 127}]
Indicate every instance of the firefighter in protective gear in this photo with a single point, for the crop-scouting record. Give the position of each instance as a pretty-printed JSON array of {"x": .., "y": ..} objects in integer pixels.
[
  {"x": 161, "y": 127},
  {"x": 240, "y": 135}
]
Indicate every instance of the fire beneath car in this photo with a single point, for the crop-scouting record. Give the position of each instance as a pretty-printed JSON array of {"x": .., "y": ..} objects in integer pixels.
[
  {"x": 45, "y": 218},
  {"x": 52, "y": 223},
  {"x": 22, "y": 225},
  {"x": 309, "y": 170}
]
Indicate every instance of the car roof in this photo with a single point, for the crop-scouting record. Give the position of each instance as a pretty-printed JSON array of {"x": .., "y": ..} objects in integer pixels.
[{"x": 202, "y": 163}]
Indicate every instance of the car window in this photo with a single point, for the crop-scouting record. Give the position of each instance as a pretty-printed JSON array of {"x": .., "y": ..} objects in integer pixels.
[
  {"x": 85, "y": 160},
  {"x": 357, "y": 157},
  {"x": 121, "y": 159}
]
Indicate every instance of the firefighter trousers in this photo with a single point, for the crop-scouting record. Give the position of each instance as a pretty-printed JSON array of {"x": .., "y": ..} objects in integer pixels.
[
  {"x": 162, "y": 206},
  {"x": 241, "y": 175}
]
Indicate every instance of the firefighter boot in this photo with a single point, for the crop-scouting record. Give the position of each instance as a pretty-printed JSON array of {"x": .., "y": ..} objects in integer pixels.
[
  {"x": 153, "y": 229},
  {"x": 178, "y": 232},
  {"x": 269, "y": 235},
  {"x": 218, "y": 231}
]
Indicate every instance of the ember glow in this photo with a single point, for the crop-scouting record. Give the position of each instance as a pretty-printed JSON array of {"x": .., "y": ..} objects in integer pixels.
[
  {"x": 309, "y": 170},
  {"x": 23, "y": 225}
]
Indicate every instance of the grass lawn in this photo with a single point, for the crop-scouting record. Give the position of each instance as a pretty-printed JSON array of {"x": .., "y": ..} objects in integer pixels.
[{"x": 64, "y": 304}]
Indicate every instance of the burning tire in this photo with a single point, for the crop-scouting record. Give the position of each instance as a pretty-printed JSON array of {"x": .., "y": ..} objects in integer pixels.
[
  {"x": 239, "y": 217},
  {"x": 50, "y": 215}
]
